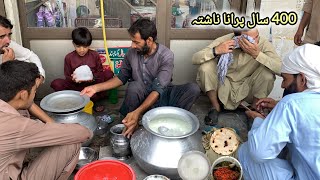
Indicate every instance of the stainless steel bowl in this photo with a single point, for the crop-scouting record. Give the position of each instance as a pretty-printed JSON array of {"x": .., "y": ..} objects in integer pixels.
[
  {"x": 156, "y": 177},
  {"x": 87, "y": 155}
]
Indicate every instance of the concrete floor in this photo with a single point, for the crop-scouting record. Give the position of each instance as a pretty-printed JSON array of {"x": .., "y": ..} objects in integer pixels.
[{"x": 234, "y": 119}]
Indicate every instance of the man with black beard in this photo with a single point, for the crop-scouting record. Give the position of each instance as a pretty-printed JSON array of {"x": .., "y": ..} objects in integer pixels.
[
  {"x": 269, "y": 103},
  {"x": 294, "y": 122},
  {"x": 148, "y": 67}
]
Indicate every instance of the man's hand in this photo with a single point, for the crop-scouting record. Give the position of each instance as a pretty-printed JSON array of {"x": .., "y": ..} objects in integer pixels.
[
  {"x": 74, "y": 79},
  {"x": 131, "y": 123},
  {"x": 254, "y": 114},
  {"x": 266, "y": 103},
  {"x": 8, "y": 54},
  {"x": 249, "y": 48},
  {"x": 89, "y": 91},
  {"x": 225, "y": 47},
  {"x": 298, "y": 36}
]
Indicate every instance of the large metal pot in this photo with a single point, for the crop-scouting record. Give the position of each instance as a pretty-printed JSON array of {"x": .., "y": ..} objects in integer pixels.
[
  {"x": 167, "y": 133},
  {"x": 79, "y": 117},
  {"x": 66, "y": 107}
]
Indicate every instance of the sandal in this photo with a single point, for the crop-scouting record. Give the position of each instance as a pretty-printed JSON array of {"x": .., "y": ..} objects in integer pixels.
[
  {"x": 212, "y": 118},
  {"x": 98, "y": 107}
]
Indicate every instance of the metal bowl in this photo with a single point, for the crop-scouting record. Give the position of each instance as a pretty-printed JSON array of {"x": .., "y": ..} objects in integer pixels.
[
  {"x": 87, "y": 155},
  {"x": 64, "y": 101},
  {"x": 227, "y": 159},
  {"x": 156, "y": 177}
]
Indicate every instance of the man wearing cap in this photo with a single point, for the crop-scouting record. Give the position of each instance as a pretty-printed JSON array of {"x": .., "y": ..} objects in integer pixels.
[
  {"x": 236, "y": 67},
  {"x": 294, "y": 122}
]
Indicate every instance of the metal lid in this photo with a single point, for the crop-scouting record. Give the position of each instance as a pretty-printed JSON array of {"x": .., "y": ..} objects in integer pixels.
[
  {"x": 194, "y": 165},
  {"x": 64, "y": 101}
]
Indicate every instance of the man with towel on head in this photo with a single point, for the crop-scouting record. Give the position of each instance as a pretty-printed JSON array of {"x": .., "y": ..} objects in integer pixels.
[
  {"x": 236, "y": 67},
  {"x": 294, "y": 122}
]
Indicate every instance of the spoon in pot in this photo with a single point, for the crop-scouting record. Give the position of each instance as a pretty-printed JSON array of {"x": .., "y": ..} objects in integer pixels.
[{"x": 163, "y": 129}]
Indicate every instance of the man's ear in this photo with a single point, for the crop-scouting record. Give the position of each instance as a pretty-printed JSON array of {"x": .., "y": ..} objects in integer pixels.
[
  {"x": 20, "y": 98},
  {"x": 39, "y": 81},
  {"x": 24, "y": 95},
  {"x": 302, "y": 81},
  {"x": 149, "y": 40}
]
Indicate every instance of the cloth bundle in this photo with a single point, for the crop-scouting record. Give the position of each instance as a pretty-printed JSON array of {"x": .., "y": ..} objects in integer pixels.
[
  {"x": 83, "y": 73},
  {"x": 226, "y": 59}
]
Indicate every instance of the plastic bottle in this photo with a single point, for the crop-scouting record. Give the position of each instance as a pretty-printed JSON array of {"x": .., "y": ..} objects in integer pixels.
[{"x": 113, "y": 96}]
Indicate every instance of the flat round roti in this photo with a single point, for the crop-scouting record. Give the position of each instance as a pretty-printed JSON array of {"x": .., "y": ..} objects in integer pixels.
[{"x": 224, "y": 141}]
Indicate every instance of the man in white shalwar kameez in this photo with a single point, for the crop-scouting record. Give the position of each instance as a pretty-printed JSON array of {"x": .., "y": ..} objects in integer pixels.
[{"x": 294, "y": 122}]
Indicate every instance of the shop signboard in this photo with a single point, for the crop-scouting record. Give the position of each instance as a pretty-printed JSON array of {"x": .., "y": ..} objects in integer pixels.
[{"x": 116, "y": 55}]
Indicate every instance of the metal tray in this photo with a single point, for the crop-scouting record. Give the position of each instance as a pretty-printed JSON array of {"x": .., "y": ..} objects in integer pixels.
[{"x": 64, "y": 101}]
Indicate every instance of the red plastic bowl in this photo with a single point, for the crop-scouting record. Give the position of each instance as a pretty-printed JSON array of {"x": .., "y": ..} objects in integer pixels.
[{"x": 106, "y": 169}]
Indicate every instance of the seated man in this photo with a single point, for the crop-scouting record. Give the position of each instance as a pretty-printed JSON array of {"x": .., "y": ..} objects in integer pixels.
[
  {"x": 294, "y": 122},
  {"x": 248, "y": 73},
  {"x": 10, "y": 50},
  {"x": 148, "y": 67},
  {"x": 83, "y": 57},
  {"x": 19, "y": 82}
]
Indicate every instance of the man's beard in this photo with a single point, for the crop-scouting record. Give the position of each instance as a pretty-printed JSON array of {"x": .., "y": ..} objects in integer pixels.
[
  {"x": 292, "y": 88},
  {"x": 145, "y": 50}
]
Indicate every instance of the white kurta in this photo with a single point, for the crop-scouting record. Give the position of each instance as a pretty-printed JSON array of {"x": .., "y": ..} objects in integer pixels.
[
  {"x": 295, "y": 123},
  {"x": 24, "y": 54}
]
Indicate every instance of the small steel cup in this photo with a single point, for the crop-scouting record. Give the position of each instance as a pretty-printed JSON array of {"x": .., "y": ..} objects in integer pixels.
[
  {"x": 120, "y": 144},
  {"x": 102, "y": 125}
]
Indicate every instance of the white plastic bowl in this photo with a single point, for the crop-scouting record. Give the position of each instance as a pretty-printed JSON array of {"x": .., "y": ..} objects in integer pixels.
[{"x": 194, "y": 165}]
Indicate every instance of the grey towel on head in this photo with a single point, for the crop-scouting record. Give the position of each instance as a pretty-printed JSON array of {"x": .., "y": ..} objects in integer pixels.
[{"x": 226, "y": 59}]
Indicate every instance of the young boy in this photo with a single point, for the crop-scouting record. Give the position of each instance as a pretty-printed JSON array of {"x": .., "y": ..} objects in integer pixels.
[{"x": 81, "y": 38}]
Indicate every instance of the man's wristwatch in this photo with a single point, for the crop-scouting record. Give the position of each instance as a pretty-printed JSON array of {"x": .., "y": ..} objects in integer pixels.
[{"x": 214, "y": 52}]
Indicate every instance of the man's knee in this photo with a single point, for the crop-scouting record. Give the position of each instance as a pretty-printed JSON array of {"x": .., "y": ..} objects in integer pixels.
[
  {"x": 269, "y": 76},
  {"x": 266, "y": 75},
  {"x": 208, "y": 67},
  {"x": 134, "y": 87},
  {"x": 194, "y": 89},
  {"x": 109, "y": 75},
  {"x": 104, "y": 76},
  {"x": 58, "y": 84},
  {"x": 71, "y": 149}
]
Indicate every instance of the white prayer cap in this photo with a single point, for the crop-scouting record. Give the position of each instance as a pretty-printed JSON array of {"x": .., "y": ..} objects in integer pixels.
[{"x": 304, "y": 59}]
